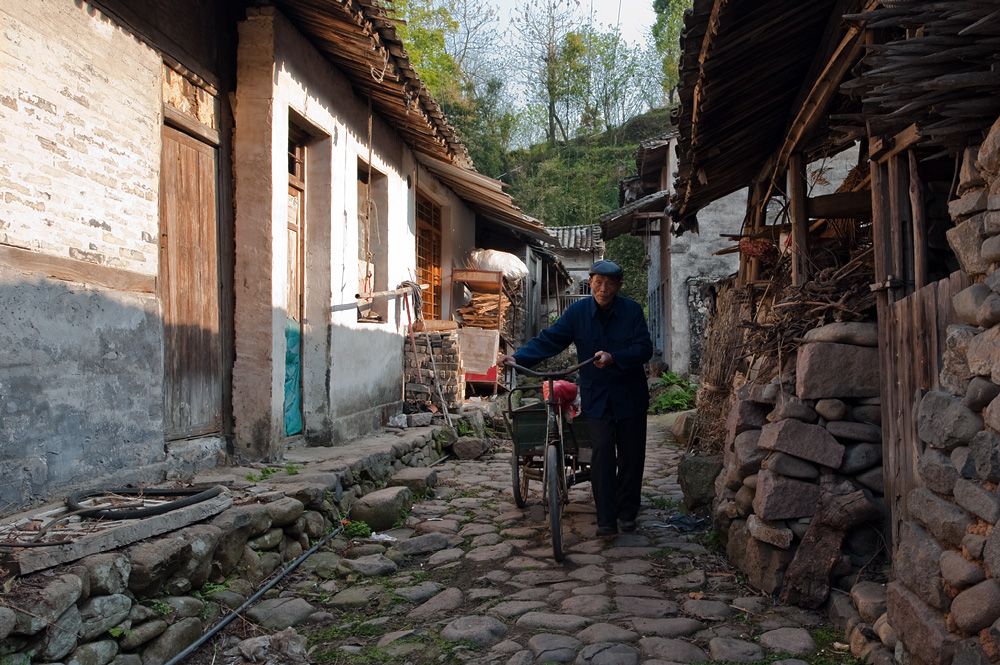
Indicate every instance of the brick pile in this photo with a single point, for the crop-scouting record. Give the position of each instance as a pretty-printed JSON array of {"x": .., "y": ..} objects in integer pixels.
[{"x": 448, "y": 362}]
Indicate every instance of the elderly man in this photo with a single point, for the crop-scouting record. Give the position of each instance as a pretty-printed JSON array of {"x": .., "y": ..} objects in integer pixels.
[{"x": 611, "y": 329}]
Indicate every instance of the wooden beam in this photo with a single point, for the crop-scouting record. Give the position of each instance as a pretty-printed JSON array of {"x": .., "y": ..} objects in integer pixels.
[
  {"x": 881, "y": 148},
  {"x": 840, "y": 205},
  {"x": 74, "y": 270},
  {"x": 800, "y": 220},
  {"x": 189, "y": 125},
  {"x": 919, "y": 211}
]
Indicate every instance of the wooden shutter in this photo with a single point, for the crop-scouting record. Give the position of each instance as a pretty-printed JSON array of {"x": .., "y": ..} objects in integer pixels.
[{"x": 189, "y": 287}]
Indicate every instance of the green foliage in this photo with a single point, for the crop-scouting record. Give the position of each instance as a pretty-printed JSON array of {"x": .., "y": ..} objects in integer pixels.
[
  {"x": 293, "y": 469},
  {"x": 666, "y": 38},
  {"x": 464, "y": 428},
  {"x": 357, "y": 529},
  {"x": 161, "y": 608},
  {"x": 264, "y": 474},
  {"x": 677, "y": 394},
  {"x": 662, "y": 553},
  {"x": 118, "y": 631}
]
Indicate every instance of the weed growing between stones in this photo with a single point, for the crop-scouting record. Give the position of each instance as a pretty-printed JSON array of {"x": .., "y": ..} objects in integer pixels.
[{"x": 357, "y": 529}]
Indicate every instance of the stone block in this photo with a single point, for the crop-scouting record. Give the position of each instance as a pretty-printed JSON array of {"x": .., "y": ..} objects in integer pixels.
[
  {"x": 977, "y": 607},
  {"x": 382, "y": 508},
  {"x": 989, "y": 152},
  {"x": 964, "y": 462},
  {"x": 696, "y": 475},
  {"x": 990, "y": 250},
  {"x": 764, "y": 564},
  {"x": 154, "y": 561},
  {"x": 968, "y": 301},
  {"x": 945, "y": 520},
  {"x": 860, "y": 456},
  {"x": 966, "y": 243},
  {"x": 831, "y": 409},
  {"x": 989, "y": 311},
  {"x": 985, "y": 450},
  {"x": 871, "y": 414},
  {"x": 857, "y": 333},
  {"x": 937, "y": 472},
  {"x": 959, "y": 572},
  {"x": 792, "y": 408},
  {"x": 809, "y": 442},
  {"x": 826, "y": 370},
  {"x": 745, "y": 415},
  {"x": 978, "y": 500},
  {"x": 944, "y": 422},
  {"x": 418, "y": 479},
  {"x": 922, "y": 573},
  {"x": 780, "y": 498},
  {"x": 873, "y": 479},
  {"x": 773, "y": 533},
  {"x": 970, "y": 652},
  {"x": 991, "y": 414},
  {"x": 920, "y": 627},
  {"x": 982, "y": 353},
  {"x": 991, "y": 553},
  {"x": 843, "y": 429},
  {"x": 955, "y": 372},
  {"x": 790, "y": 466},
  {"x": 748, "y": 455},
  {"x": 970, "y": 203},
  {"x": 980, "y": 393},
  {"x": 871, "y": 599},
  {"x": 969, "y": 176}
]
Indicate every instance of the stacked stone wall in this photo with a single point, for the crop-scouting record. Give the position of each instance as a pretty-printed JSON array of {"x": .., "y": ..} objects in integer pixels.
[
  {"x": 424, "y": 375},
  {"x": 945, "y": 600},
  {"x": 810, "y": 438},
  {"x": 144, "y": 604}
]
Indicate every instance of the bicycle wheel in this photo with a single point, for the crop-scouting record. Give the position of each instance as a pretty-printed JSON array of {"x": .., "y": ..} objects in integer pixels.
[
  {"x": 553, "y": 476},
  {"x": 519, "y": 478}
]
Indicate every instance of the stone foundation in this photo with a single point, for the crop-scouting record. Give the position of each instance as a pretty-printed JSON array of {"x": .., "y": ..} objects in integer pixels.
[{"x": 157, "y": 597}]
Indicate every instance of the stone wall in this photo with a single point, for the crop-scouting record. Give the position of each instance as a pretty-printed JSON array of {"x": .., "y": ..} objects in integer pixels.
[
  {"x": 799, "y": 500},
  {"x": 447, "y": 363},
  {"x": 144, "y": 604},
  {"x": 945, "y": 601}
]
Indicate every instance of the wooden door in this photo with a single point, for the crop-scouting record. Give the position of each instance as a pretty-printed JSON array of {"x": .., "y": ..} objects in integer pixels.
[
  {"x": 189, "y": 287},
  {"x": 912, "y": 334}
]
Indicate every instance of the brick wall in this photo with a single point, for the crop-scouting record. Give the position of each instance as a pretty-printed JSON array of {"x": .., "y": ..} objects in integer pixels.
[{"x": 80, "y": 110}]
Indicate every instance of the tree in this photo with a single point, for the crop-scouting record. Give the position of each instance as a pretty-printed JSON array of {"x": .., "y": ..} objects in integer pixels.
[
  {"x": 549, "y": 56},
  {"x": 618, "y": 81},
  {"x": 667, "y": 38}
]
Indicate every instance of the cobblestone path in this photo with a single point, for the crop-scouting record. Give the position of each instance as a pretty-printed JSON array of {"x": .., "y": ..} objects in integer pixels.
[{"x": 488, "y": 590}]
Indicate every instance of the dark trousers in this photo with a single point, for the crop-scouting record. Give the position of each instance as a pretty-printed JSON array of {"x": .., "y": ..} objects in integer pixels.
[{"x": 617, "y": 461}]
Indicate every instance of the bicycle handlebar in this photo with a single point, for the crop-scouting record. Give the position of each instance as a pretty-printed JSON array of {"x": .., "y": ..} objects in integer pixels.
[{"x": 545, "y": 375}]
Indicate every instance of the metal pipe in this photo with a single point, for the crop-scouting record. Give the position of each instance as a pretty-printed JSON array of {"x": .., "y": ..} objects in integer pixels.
[
  {"x": 253, "y": 599},
  {"x": 388, "y": 294}
]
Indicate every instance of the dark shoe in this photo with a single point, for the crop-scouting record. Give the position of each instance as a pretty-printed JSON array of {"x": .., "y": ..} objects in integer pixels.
[
  {"x": 606, "y": 531},
  {"x": 627, "y": 526}
]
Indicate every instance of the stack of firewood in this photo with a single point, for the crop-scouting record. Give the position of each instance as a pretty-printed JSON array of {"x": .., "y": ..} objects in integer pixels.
[
  {"x": 482, "y": 312},
  {"x": 937, "y": 73}
]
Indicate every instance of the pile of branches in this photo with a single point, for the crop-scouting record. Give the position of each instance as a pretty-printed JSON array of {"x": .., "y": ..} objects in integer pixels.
[
  {"x": 836, "y": 294},
  {"x": 938, "y": 70}
]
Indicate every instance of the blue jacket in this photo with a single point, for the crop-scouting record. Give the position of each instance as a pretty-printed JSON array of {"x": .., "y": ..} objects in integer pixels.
[{"x": 618, "y": 391}]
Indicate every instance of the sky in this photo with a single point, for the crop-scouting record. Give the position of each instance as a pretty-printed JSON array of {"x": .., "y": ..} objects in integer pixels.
[{"x": 636, "y": 16}]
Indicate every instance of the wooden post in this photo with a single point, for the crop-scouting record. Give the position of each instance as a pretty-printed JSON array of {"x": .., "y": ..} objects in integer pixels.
[
  {"x": 919, "y": 211},
  {"x": 799, "y": 217},
  {"x": 900, "y": 225}
]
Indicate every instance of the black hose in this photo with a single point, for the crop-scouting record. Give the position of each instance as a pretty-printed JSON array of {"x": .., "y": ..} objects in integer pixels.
[
  {"x": 192, "y": 496},
  {"x": 250, "y": 601}
]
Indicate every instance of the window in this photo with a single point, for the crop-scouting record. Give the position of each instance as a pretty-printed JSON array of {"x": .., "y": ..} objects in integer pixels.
[
  {"x": 584, "y": 288},
  {"x": 429, "y": 255}
]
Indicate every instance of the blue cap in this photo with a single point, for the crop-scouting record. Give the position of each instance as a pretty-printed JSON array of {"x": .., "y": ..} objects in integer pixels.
[{"x": 608, "y": 269}]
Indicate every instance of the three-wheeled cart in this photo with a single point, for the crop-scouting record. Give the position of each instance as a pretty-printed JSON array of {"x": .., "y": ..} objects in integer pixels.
[{"x": 549, "y": 448}]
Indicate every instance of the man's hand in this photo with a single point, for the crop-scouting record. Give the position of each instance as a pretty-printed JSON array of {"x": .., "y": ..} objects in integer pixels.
[
  {"x": 505, "y": 360},
  {"x": 603, "y": 359}
]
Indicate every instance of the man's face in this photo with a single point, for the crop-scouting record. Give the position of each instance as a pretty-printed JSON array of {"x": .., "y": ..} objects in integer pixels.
[{"x": 604, "y": 288}]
